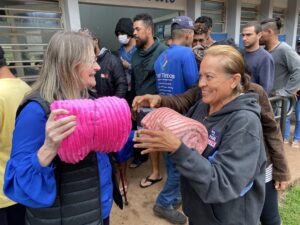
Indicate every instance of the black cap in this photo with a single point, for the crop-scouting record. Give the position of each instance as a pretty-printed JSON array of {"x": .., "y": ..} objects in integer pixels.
[{"x": 124, "y": 25}]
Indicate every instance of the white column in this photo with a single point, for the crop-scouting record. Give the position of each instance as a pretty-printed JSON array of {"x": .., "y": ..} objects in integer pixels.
[
  {"x": 234, "y": 19},
  {"x": 71, "y": 14},
  {"x": 292, "y": 22},
  {"x": 266, "y": 9},
  {"x": 193, "y": 8}
]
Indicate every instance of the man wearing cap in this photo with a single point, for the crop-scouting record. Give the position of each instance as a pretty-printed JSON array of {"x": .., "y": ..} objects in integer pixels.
[
  {"x": 12, "y": 91},
  {"x": 124, "y": 33},
  {"x": 176, "y": 71}
]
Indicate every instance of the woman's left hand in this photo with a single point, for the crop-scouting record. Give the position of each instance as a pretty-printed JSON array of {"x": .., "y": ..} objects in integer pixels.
[
  {"x": 162, "y": 140},
  {"x": 281, "y": 185}
]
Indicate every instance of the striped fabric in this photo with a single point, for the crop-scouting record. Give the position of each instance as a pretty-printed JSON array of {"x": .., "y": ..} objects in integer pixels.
[{"x": 191, "y": 132}]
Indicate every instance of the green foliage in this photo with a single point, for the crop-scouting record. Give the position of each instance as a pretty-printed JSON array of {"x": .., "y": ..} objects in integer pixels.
[{"x": 290, "y": 207}]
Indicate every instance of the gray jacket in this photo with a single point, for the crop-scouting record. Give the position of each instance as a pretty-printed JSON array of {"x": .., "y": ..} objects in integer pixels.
[
  {"x": 287, "y": 70},
  {"x": 226, "y": 184}
]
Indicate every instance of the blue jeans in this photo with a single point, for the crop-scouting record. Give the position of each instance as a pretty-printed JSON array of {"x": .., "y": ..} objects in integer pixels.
[
  {"x": 170, "y": 194},
  {"x": 297, "y": 124}
]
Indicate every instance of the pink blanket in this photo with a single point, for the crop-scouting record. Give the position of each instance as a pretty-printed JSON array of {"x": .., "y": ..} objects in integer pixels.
[
  {"x": 191, "y": 132},
  {"x": 102, "y": 125}
]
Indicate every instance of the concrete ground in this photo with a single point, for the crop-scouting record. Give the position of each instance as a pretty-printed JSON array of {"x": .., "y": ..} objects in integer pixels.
[{"x": 141, "y": 200}]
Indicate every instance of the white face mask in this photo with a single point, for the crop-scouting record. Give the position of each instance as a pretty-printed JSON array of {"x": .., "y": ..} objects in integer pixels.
[{"x": 123, "y": 39}]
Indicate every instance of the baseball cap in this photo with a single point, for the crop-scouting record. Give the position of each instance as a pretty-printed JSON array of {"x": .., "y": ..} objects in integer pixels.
[{"x": 182, "y": 22}]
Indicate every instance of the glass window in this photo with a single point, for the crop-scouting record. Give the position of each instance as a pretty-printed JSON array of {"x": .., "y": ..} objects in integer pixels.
[
  {"x": 249, "y": 12},
  {"x": 25, "y": 29},
  {"x": 216, "y": 11}
]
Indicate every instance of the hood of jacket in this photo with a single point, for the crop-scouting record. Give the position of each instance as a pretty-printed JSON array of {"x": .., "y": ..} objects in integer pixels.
[
  {"x": 246, "y": 101},
  {"x": 103, "y": 52}
]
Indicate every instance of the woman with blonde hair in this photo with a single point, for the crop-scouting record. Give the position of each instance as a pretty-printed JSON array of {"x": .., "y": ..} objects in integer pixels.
[
  {"x": 224, "y": 185},
  {"x": 55, "y": 192}
]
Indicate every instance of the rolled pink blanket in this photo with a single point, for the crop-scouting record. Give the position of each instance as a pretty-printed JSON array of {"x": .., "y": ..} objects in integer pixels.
[
  {"x": 191, "y": 132},
  {"x": 102, "y": 125}
]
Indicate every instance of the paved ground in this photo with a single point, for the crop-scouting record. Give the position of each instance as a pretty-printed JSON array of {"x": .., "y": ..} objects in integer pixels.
[{"x": 139, "y": 211}]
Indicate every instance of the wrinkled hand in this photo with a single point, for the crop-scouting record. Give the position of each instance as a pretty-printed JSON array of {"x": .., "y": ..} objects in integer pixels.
[
  {"x": 162, "y": 140},
  {"x": 281, "y": 185},
  {"x": 56, "y": 132}
]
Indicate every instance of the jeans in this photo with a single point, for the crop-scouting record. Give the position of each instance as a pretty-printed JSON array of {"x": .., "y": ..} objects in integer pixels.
[
  {"x": 297, "y": 124},
  {"x": 170, "y": 194}
]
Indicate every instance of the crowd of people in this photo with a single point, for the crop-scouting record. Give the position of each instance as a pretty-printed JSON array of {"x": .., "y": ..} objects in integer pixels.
[{"x": 235, "y": 181}]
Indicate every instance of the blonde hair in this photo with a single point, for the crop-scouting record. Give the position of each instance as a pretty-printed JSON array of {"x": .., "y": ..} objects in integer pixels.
[
  {"x": 59, "y": 78},
  {"x": 232, "y": 63}
]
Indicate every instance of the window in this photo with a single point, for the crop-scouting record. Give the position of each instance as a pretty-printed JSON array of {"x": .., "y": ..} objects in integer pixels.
[
  {"x": 25, "y": 29},
  {"x": 249, "y": 12},
  {"x": 216, "y": 11}
]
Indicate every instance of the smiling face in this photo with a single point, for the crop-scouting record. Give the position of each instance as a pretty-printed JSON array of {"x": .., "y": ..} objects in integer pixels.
[
  {"x": 87, "y": 71},
  {"x": 217, "y": 86}
]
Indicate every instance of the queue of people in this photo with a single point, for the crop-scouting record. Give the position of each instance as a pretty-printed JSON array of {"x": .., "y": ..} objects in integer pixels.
[{"x": 235, "y": 181}]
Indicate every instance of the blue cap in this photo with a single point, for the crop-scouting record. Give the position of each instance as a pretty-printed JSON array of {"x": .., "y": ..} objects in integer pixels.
[{"x": 182, "y": 22}]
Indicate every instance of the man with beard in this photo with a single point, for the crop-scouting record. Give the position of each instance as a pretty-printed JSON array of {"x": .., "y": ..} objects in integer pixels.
[
  {"x": 287, "y": 61},
  {"x": 143, "y": 74},
  {"x": 258, "y": 61}
]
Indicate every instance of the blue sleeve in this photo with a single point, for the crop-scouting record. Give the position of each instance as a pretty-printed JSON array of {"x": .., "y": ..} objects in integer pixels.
[
  {"x": 25, "y": 180},
  {"x": 190, "y": 70}
]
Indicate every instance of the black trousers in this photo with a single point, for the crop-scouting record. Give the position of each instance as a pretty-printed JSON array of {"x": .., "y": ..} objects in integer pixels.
[{"x": 13, "y": 215}]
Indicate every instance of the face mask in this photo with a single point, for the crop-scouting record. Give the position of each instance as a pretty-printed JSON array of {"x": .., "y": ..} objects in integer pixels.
[{"x": 123, "y": 39}]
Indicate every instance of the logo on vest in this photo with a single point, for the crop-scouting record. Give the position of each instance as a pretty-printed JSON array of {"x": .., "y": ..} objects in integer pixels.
[{"x": 213, "y": 138}]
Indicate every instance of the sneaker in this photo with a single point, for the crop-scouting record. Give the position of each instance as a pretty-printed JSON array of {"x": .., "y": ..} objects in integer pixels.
[
  {"x": 171, "y": 215},
  {"x": 176, "y": 205},
  {"x": 285, "y": 141},
  {"x": 296, "y": 144}
]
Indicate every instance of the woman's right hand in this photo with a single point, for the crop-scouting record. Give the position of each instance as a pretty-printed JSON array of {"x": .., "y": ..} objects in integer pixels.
[
  {"x": 152, "y": 101},
  {"x": 56, "y": 132}
]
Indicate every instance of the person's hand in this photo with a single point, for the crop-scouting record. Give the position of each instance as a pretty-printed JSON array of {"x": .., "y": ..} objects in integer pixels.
[
  {"x": 125, "y": 63},
  {"x": 162, "y": 140},
  {"x": 56, "y": 132},
  {"x": 281, "y": 185},
  {"x": 152, "y": 101}
]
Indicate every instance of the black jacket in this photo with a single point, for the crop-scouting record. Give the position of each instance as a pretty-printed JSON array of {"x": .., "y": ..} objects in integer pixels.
[{"x": 110, "y": 79}]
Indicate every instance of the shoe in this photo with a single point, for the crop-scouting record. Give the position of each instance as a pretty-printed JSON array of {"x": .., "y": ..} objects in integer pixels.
[
  {"x": 147, "y": 182},
  {"x": 171, "y": 215},
  {"x": 285, "y": 141},
  {"x": 176, "y": 205},
  {"x": 296, "y": 144}
]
